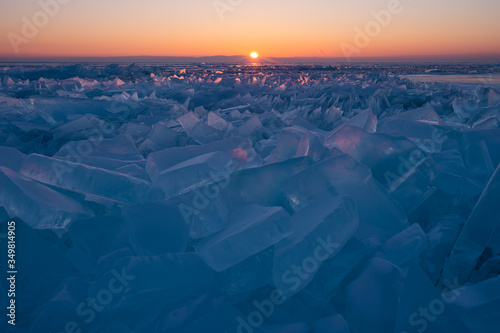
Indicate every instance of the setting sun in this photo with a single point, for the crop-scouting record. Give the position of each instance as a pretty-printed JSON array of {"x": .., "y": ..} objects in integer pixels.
[{"x": 254, "y": 55}]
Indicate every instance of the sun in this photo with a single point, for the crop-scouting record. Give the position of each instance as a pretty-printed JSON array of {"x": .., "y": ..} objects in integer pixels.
[{"x": 254, "y": 55}]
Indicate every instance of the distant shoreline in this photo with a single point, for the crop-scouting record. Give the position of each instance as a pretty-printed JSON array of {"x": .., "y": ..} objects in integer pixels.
[{"x": 241, "y": 59}]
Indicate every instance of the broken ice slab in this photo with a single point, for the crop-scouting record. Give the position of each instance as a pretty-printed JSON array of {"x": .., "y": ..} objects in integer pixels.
[
  {"x": 383, "y": 153},
  {"x": 182, "y": 313},
  {"x": 457, "y": 186},
  {"x": 477, "y": 305},
  {"x": 476, "y": 233},
  {"x": 16, "y": 108},
  {"x": 200, "y": 111},
  {"x": 404, "y": 249},
  {"x": 466, "y": 109},
  {"x": 424, "y": 308},
  {"x": 138, "y": 131},
  {"x": 57, "y": 108},
  {"x": 425, "y": 114},
  {"x": 198, "y": 130},
  {"x": 159, "y": 280},
  {"x": 120, "y": 147},
  {"x": 133, "y": 170},
  {"x": 188, "y": 121},
  {"x": 224, "y": 319},
  {"x": 311, "y": 145},
  {"x": 213, "y": 120},
  {"x": 239, "y": 149},
  {"x": 372, "y": 298},
  {"x": 89, "y": 180},
  {"x": 287, "y": 145},
  {"x": 330, "y": 118},
  {"x": 102, "y": 153},
  {"x": 325, "y": 284},
  {"x": 492, "y": 139},
  {"x": 33, "y": 141},
  {"x": 11, "y": 158},
  {"x": 250, "y": 274},
  {"x": 426, "y": 137},
  {"x": 82, "y": 261},
  {"x": 486, "y": 118},
  {"x": 252, "y": 128},
  {"x": 320, "y": 232},
  {"x": 58, "y": 314},
  {"x": 106, "y": 263},
  {"x": 297, "y": 142},
  {"x": 488, "y": 95},
  {"x": 412, "y": 185},
  {"x": 163, "y": 136},
  {"x": 478, "y": 161},
  {"x": 431, "y": 207},
  {"x": 39, "y": 206},
  {"x": 3, "y": 214},
  {"x": 332, "y": 324},
  {"x": 40, "y": 276},
  {"x": 203, "y": 134},
  {"x": 451, "y": 161},
  {"x": 194, "y": 173},
  {"x": 203, "y": 210},
  {"x": 245, "y": 187},
  {"x": 290, "y": 327},
  {"x": 83, "y": 128},
  {"x": 489, "y": 268},
  {"x": 365, "y": 120},
  {"x": 99, "y": 236},
  {"x": 265, "y": 147},
  {"x": 100, "y": 162},
  {"x": 117, "y": 328},
  {"x": 441, "y": 239},
  {"x": 156, "y": 229},
  {"x": 487, "y": 122},
  {"x": 494, "y": 243},
  {"x": 251, "y": 229},
  {"x": 380, "y": 216}
]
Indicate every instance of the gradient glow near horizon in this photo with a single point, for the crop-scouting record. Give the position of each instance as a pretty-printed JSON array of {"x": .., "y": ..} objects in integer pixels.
[{"x": 279, "y": 28}]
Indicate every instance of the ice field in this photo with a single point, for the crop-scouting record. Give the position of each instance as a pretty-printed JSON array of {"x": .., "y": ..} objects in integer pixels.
[{"x": 247, "y": 198}]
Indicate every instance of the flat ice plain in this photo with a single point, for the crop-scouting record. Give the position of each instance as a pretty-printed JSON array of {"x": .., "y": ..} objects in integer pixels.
[{"x": 251, "y": 198}]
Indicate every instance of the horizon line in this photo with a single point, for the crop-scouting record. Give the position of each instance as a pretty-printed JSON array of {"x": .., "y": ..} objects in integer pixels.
[{"x": 487, "y": 58}]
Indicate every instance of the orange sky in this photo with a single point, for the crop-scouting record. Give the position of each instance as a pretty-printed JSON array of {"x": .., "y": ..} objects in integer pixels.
[{"x": 279, "y": 28}]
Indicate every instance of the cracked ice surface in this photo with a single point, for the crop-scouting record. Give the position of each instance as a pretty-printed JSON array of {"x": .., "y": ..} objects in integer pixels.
[{"x": 238, "y": 198}]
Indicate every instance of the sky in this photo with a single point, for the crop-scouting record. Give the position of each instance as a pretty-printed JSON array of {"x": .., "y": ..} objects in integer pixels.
[{"x": 273, "y": 28}]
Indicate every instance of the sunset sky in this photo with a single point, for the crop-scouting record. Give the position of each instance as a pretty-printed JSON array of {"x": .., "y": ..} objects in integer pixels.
[{"x": 274, "y": 28}]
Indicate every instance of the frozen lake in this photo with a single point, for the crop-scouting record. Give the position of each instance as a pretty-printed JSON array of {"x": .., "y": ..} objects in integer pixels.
[
  {"x": 483, "y": 79},
  {"x": 214, "y": 193}
]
